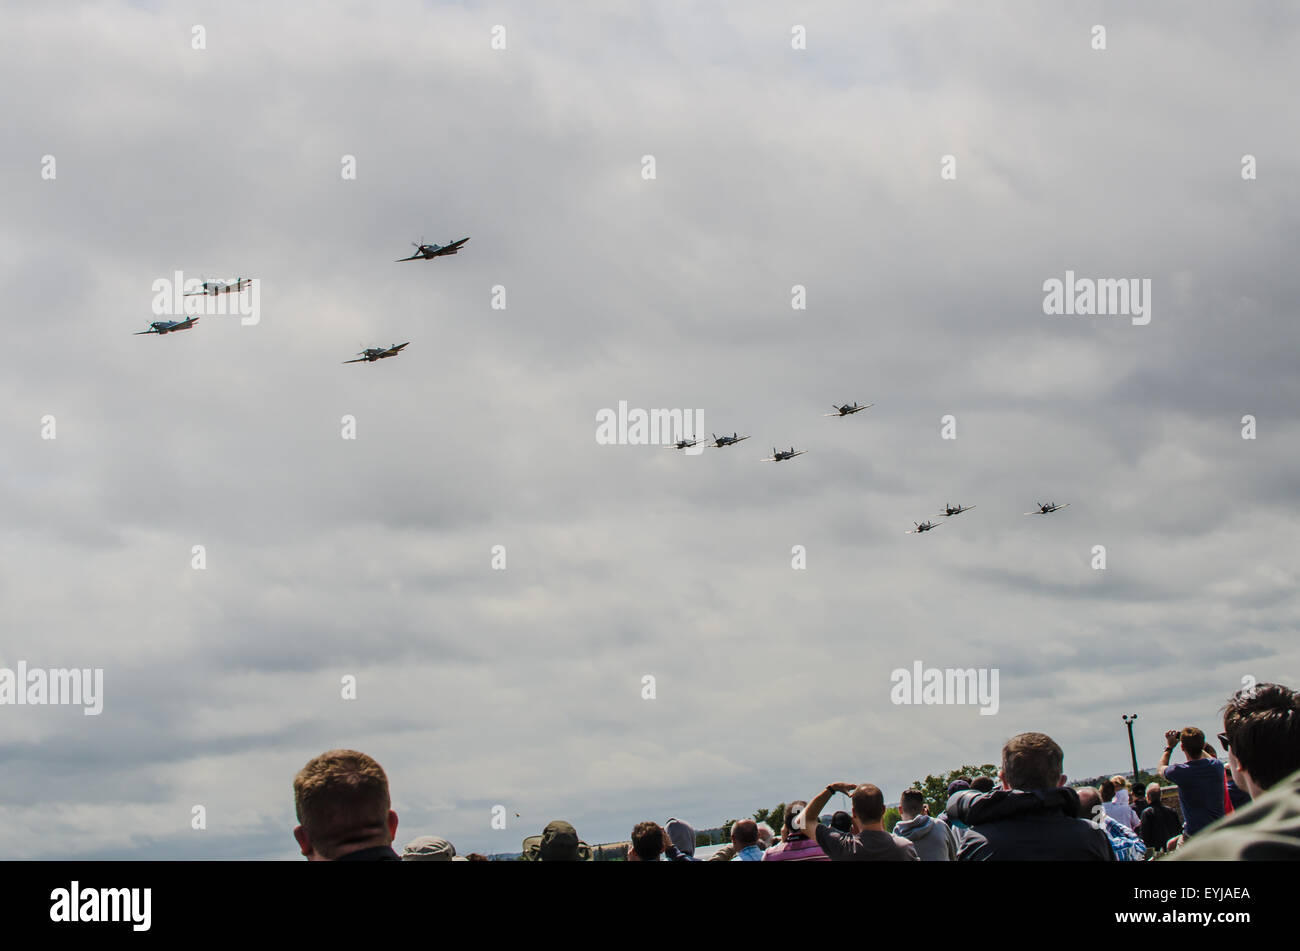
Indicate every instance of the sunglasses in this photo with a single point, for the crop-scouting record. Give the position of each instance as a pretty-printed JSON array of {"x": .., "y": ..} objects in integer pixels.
[{"x": 1223, "y": 740}]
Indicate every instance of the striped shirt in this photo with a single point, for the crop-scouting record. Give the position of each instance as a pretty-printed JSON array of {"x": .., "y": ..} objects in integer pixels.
[{"x": 802, "y": 849}]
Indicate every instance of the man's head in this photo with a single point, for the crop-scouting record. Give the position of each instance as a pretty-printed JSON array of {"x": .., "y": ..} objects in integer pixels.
[
  {"x": 911, "y": 804},
  {"x": 765, "y": 835},
  {"x": 982, "y": 784},
  {"x": 428, "y": 848},
  {"x": 1153, "y": 793},
  {"x": 1139, "y": 791},
  {"x": 1262, "y": 727},
  {"x": 868, "y": 805},
  {"x": 341, "y": 799},
  {"x": 1107, "y": 790},
  {"x": 744, "y": 833},
  {"x": 841, "y": 821},
  {"x": 1089, "y": 803},
  {"x": 1192, "y": 741},
  {"x": 647, "y": 842},
  {"x": 1031, "y": 761},
  {"x": 559, "y": 843}
]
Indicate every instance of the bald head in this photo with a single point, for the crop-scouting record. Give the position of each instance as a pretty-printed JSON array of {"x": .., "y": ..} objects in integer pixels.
[
  {"x": 744, "y": 834},
  {"x": 868, "y": 804},
  {"x": 1089, "y": 800}
]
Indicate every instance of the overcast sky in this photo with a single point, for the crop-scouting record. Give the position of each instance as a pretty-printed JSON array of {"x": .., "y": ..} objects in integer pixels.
[{"x": 372, "y": 557}]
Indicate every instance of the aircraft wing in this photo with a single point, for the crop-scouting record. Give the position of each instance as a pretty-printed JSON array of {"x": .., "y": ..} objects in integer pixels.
[
  {"x": 1065, "y": 506},
  {"x": 357, "y": 360},
  {"x": 741, "y": 438},
  {"x": 414, "y": 257},
  {"x": 799, "y": 453},
  {"x": 139, "y": 332}
]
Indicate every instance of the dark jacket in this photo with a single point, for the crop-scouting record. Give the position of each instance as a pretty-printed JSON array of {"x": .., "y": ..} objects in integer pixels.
[
  {"x": 1036, "y": 825},
  {"x": 1159, "y": 824}
]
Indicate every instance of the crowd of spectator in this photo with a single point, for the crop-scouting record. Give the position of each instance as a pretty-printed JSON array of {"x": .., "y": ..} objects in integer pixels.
[{"x": 1245, "y": 805}]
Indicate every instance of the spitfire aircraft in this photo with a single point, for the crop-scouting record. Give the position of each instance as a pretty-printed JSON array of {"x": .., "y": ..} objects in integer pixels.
[
  {"x": 683, "y": 443},
  {"x": 425, "y": 252},
  {"x": 847, "y": 410},
  {"x": 720, "y": 442},
  {"x": 783, "y": 455},
  {"x": 167, "y": 326},
  {"x": 921, "y": 527},
  {"x": 212, "y": 288},
  {"x": 371, "y": 354},
  {"x": 1047, "y": 509},
  {"x": 949, "y": 510}
]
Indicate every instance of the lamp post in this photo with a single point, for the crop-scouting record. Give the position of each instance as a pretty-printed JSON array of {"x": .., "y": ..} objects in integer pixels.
[{"x": 1128, "y": 721}]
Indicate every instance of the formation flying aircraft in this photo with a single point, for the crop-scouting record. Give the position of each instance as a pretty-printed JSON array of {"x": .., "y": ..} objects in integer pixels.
[
  {"x": 847, "y": 410},
  {"x": 425, "y": 252},
  {"x": 167, "y": 326},
  {"x": 212, "y": 288},
  {"x": 921, "y": 527},
  {"x": 950, "y": 510},
  {"x": 1047, "y": 509},
  {"x": 371, "y": 354},
  {"x": 783, "y": 455},
  {"x": 720, "y": 441},
  {"x": 683, "y": 444}
]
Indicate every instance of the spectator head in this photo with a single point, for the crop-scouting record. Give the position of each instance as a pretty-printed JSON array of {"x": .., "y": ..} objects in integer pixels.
[
  {"x": 558, "y": 842},
  {"x": 982, "y": 784},
  {"x": 1089, "y": 803},
  {"x": 792, "y": 813},
  {"x": 841, "y": 821},
  {"x": 1107, "y": 790},
  {"x": 911, "y": 804},
  {"x": 765, "y": 833},
  {"x": 744, "y": 833},
  {"x": 1262, "y": 728},
  {"x": 476, "y": 857},
  {"x": 341, "y": 799},
  {"x": 1031, "y": 761},
  {"x": 1139, "y": 791},
  {"x": 647, "y": 842},
  {"x": 1192, "y": 741},
  {"x": 681, "y": 835},
  {"x": 1119, "y": 782},
  {"x": 868, "y": 805},
  {"x": 1153, "y": 793},
  {"x": 428, "y": 848}
]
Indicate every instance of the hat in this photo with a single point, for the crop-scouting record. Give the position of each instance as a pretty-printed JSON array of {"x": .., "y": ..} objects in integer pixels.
[
  {"x": 558, "y": 842},
  {"x": 957, "y": 785},
  {"x": 681, "y": 835},
  {"x": 428, "y": 848}
]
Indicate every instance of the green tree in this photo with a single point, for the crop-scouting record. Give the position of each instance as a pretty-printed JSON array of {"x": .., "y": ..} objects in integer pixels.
[
  {"x": 935, "y": 788},
  {"x": 776, "y": 818},
  {"x": 891, "y": 819}
]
